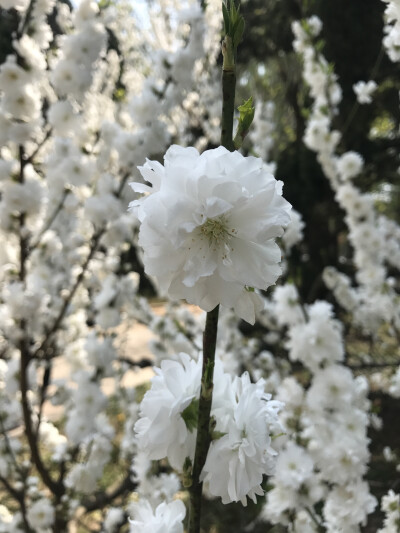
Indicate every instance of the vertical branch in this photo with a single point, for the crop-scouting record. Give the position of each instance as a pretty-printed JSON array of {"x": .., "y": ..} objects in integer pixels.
[
  {"x": 31, "y": 435},
  {"x": 228, "y": 94},
  {"x": 234, "y": 25}
]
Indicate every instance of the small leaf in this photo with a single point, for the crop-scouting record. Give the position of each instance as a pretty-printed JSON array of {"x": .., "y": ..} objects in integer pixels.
[
  {"x": 226, "y": 19},
  {"x": 238, "y": 32},
  {"x": 246, "y": 116}
]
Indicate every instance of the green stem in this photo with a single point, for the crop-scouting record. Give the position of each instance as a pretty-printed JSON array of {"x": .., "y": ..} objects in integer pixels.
[
  {"x": 228, "y": 94},
  {"x": 203, "y": 424},
  {"x": 203, "y": 438}
]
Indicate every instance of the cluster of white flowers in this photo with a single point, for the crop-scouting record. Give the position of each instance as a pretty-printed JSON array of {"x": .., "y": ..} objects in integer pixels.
[
  {"x": 78, "y": 112},
  {"x": 392, "y": 29},
  {"x": 245, "y": 420},
  {"x": 391, "y": 507},
  {"x": 313, "y": 464},
  {"x": 373, "y": 301}
]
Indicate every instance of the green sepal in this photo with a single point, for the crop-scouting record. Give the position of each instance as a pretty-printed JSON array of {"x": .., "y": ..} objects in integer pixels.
[{"x": 190, "y": 415}]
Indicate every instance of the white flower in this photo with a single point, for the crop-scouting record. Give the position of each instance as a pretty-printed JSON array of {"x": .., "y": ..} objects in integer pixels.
[
  {"x": 208, "y": 227},
  {"x": 348, "y": 506},
  {"x": 294, "y": 466},
  {"x": 237, "y": 461},
  {"x": 364, "y": 91},
  {"x": 41, "y": 514},
  {"x": 161, "y": 430},
  {"x": 167, "y": 518},
  {"x": 317, "y": 342},
  {"x": 115, "y": 517},
  {"x": 287, "y": 307},
  {"x": 349, "y": 165}
]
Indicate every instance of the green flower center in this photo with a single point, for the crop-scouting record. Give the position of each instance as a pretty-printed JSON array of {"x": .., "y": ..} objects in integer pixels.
[{"x": 215, "y": 229}]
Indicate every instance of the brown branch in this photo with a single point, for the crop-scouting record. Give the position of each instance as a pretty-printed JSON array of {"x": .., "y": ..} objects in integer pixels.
[
  {"x": 30, "y": 158},
  {"x": 55, "y": 487},
  {"x": 67, "y": 301},
  {"x": 19, "y": 497},
  {"x": 100, "y": 500},
  {"x": 52, "y": 218},
  {"x": 95, "y": 243},
  {"x": 143, "y": 363}
]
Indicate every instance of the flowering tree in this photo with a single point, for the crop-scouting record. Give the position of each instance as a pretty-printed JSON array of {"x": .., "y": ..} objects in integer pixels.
[{"x": 93, "y": 99}]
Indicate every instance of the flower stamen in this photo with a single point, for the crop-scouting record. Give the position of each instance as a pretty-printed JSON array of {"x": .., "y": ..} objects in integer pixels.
[{"x": 215, "y": 229}]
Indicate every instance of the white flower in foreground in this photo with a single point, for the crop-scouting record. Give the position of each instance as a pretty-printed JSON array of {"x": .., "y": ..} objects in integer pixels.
[
  {"x": 167, "y": 518},
  {"x": 237, "y": 461},
  {"x": 245, "y": 420},
  {"x": 208, "y": 227},
  {"x": 364, "y": 90}
]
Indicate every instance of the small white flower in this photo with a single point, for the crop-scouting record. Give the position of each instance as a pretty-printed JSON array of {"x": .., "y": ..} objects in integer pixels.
[
  {"x": 208, "y": 227},
  {"x": 349, "y": 165},
  {"x": 41, "y": 514},
  {"x": 364, "y": 91},
  {"x": 294, "y": 466},
  {"x": 167, "y": 518}
]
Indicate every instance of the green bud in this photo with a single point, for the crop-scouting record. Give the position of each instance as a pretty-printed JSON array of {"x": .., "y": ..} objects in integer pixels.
[{"x": 246, "y": 116}]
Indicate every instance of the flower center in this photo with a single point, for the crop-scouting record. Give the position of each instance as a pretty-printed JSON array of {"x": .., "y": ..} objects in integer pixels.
[{"x": 215, "y": 229}]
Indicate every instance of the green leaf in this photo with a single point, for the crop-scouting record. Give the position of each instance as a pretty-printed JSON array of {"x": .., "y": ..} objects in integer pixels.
[
  {"x": 190, "y": 415},
  {"x": 238, "y": 32},
  {"x": 226, "y": 19}
]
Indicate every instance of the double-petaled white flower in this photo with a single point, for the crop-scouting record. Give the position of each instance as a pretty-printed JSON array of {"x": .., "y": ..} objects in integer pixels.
[
  {"x": 245, "y": 418},
  {"x": 238, "y": 460},
  {"x": 208, "y": 227}
]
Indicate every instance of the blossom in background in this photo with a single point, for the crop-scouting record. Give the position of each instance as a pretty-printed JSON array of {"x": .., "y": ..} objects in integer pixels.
[
  {"x": 167, "y": 518},
  {"x": 208, "y": 225},
  {"x": 364, "y": 91},
  {"x": 41, "y": 514},
  {"x": 349, "y": 165}
]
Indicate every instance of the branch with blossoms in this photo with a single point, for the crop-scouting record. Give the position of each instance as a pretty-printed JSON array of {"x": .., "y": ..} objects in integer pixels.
[{"x": 207, "y": 235}]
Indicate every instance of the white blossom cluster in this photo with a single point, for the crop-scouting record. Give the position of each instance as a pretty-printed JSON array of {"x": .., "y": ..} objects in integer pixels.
[
  {"x": 314, "y": 465},
  {"x": 373, "y": 301},
  {"x": 245, "y": 419},
  {"x": 391, "y": 41},
  {"x": 79, "y": 111}
]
